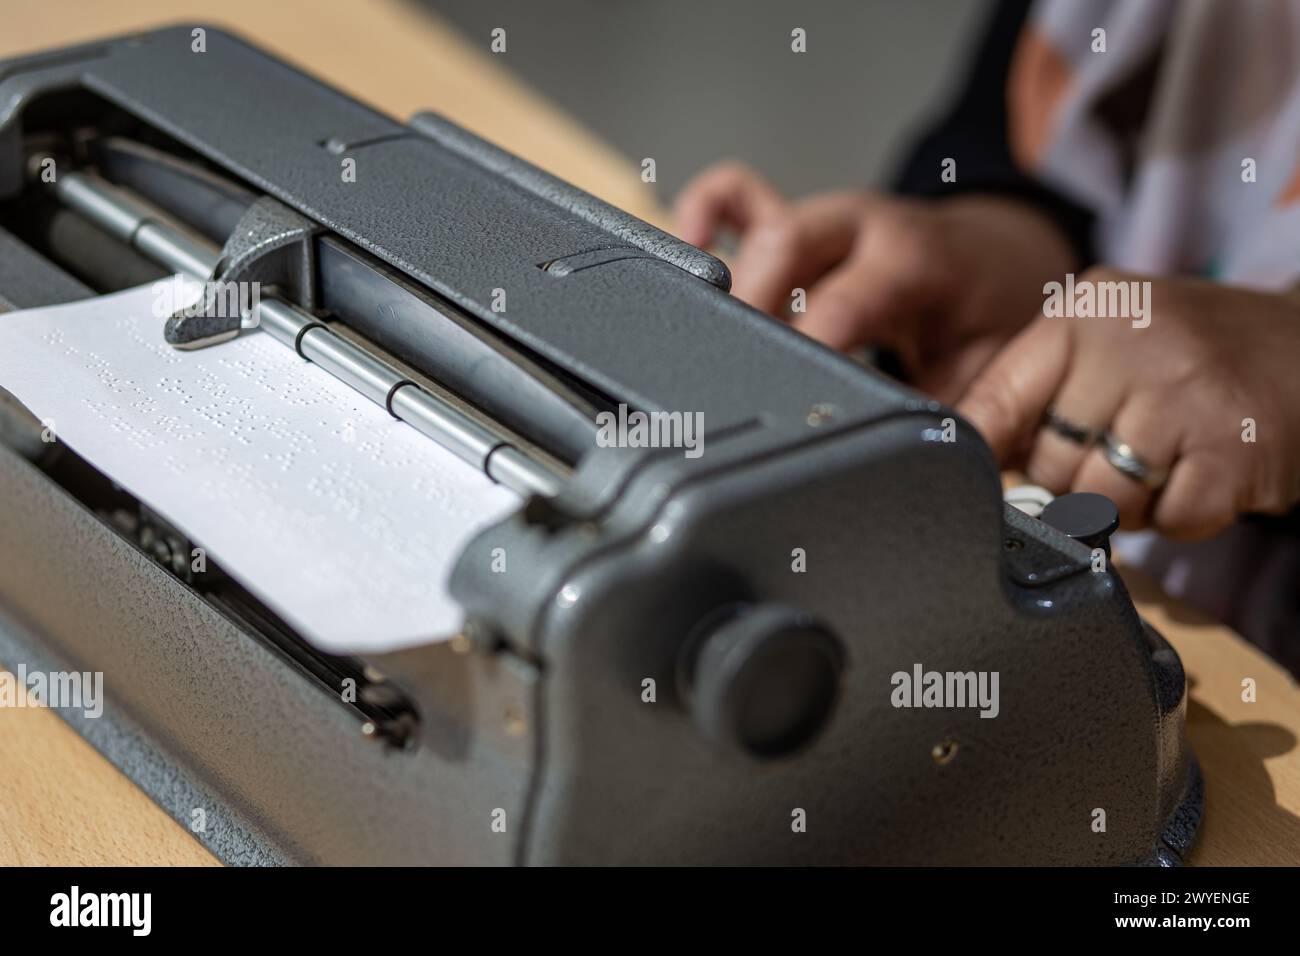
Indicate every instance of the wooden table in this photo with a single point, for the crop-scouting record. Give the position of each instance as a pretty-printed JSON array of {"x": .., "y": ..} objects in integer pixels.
[
  {"x": 1249, "y": 752},
  {"x": 62, "y": 803}
]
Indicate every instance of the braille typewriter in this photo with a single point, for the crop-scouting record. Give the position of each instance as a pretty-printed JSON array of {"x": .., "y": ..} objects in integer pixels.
[{"x": 690, "y": 660}]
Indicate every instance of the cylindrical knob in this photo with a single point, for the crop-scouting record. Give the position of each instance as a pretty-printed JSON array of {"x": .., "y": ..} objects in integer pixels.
[
  {"x": 1088, "y": 518},
  {"x": 764, "y": 680}
]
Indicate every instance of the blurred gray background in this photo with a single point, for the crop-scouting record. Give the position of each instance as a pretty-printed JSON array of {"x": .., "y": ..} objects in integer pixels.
[{"x": 691, "y": 81}]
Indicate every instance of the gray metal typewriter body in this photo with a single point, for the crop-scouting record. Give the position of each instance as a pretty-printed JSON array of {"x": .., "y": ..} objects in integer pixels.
[{"x": 686, "y": 660}]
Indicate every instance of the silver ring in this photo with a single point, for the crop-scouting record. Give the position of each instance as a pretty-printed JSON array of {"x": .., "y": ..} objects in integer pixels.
[
  {"x": 1071, "y": 431},
  {"x": 1128, "y": 462}
]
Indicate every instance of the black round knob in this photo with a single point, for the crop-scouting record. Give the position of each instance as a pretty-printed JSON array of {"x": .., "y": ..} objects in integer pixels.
[
  {"x": 1088, "y": 518},
  {"x": 764, "y": 680}
]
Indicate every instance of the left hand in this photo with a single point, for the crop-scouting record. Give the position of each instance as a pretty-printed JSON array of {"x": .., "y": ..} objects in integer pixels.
[
  {"x": 1177, "y": 392},
  {"x": 943, "y": 284}
]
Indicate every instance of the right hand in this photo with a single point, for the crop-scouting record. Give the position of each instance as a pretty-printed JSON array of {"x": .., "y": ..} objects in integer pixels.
[{"x": 943, "y": 284}]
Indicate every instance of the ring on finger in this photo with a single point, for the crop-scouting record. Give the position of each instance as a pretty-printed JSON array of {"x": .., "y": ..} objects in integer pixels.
[
  {"x": 1128, "y": 462},
  {"x": 1071, "y": 431}
]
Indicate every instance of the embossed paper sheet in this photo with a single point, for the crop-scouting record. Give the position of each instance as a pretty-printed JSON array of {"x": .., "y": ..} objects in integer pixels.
[{"x": 344, "y": 520}]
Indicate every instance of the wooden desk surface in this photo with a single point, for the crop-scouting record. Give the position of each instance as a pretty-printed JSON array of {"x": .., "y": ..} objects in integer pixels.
[{"x": 62, "y": 803}]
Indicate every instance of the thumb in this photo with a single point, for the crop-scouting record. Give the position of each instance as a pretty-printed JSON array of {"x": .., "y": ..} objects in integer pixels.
[{"x": 1007, "y": 399}]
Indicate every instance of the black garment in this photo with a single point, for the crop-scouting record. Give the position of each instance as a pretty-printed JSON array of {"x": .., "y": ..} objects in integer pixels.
[{"x": 974, "y": 133}]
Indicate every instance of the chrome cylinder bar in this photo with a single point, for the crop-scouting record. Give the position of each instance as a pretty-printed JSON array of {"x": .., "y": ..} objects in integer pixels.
[
  {"x": 125, "y": 217},
  {"x": 120, "y": 214}
]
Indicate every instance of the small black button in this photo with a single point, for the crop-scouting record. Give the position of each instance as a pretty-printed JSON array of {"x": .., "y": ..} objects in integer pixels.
[{"x": 1084, "y": 516}]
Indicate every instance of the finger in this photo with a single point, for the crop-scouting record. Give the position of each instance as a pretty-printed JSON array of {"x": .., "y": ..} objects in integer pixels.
[
  {"x": 880, "y": 295},
  {"x": 883, "y": 286},
  {"x": 728, "y": 194},
  {"x": 1091, "y": 395},
  {"x": 1143, "y": 427},
  {"x": 948, "y": 374},
  {"x": 1006, "y": 401},
  {"x": 858, "y": 303},
  {"x": 1196, "y": 501},
  {"x": 792, "y": 250}
]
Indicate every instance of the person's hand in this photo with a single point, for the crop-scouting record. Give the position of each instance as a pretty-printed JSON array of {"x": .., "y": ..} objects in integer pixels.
[
  {"x": 1178, "y": 392},
  {"x": 941, "y": 284}
]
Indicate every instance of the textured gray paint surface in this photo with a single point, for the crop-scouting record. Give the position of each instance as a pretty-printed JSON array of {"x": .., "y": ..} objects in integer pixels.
[
  {"x": 27, "y": 279},
  {"x": 231, "y": 715},
  {"x": 916, "y": 583},
  {"x": 133, "y": 752}
]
